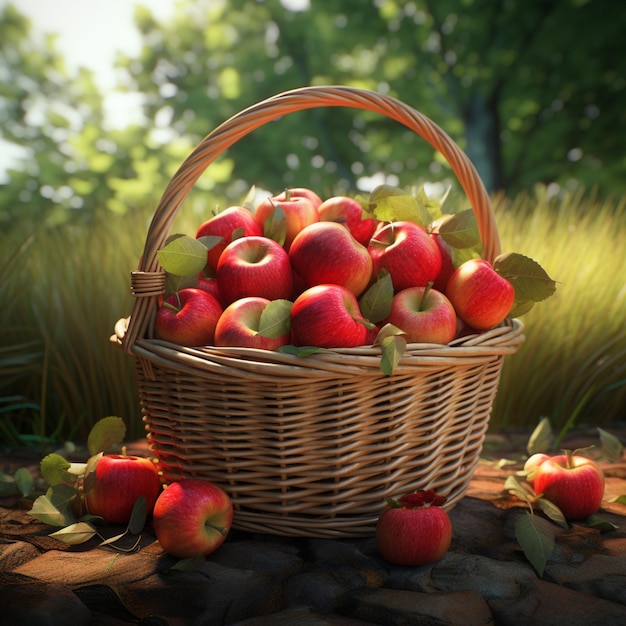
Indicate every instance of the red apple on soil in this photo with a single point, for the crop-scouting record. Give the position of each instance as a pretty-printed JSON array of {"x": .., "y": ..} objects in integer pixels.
[
  {"x": 235, "y": 220},
  {"x": 254, "y": 266},
  {"x": 481, "y": 297},
  {"x": 415, "y": 530},
  {"x": 407, "y": 252},
  {"x": 118, "y": 482},
  {"x": 327, "y": 316},
  {"x": 188, "y": 318},
  {"x": 299, "y": 212},
  {"x": 574, "y": 483},
  {"x": 239, "y": 326},
  {"x": 192, "y": 517},
  {"x": 326, "y": 252},
  {"x": 424, "y": 314}
]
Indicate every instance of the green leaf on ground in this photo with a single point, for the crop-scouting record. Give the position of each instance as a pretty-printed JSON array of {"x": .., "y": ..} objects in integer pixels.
[
  {"x": 46, "y": 512},
  {"x": 512, "y": 485},
  {"x": 24, "y": 480},
  {"x": 138, "y": 516},
  {"x": 107, "y": 432},
  {"x": 54, "y": 469},
  {"x": 8, "y": 486},
  {"x": 74, "y": 533},
  {"x": 552, "y": 511},
  {"x": 536, "y": 538},
  {"x": 541, "y": 438},
  {"x": 601, "y": 524},
  {"x": 612, "y": 448}
]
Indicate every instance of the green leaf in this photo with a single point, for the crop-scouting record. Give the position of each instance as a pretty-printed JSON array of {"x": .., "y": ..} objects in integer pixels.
[
  {"x": 24, "y": 481},
  {"x": 276, "y": 319},
  {"x": 90, "y": 472},
  {"x": 395, "y": 205},
  {"x": 105, "y": 433},
  {"x": 375, "y": 303},
  {"x": 138, "y": 516},
  {"x": 300, "y": 351},
  {"x": 552, "y": 511},
  {"x": 46, "y": 512},
  {"x": 512, "y": 485},
  {"x": 184, "y": 256},
  {"x": 74, "y": 533},
  {"x": 62, "y": 497},
  {"x": 603, "y": 525},
  {"x": 612, "y": 447},
  {"x": 460, "y": 230},
  {"x": 210, "y": 241},
  {"x": 275, "y": 226},
  {"x": 529, "y": 279},
  {"x": 189, "y": 564},
  {"x": 392, "y": 342},
  {"x": 54, "y": 469},
  {"x": 541, "y": 438},
  {"x": 8, "y": 486},
  {"x": 536, "y": 538},
  {"x": 174, "y": 283},
  {"x": 619, "y": 499}
]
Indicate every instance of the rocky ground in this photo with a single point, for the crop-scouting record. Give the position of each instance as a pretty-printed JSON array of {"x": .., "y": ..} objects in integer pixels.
[{"x": 255, "y": 580}]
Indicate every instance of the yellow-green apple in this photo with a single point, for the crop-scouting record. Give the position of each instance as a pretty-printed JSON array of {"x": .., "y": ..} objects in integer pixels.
[
  {"x": 574, "y": 483},
  {"x": 326, "y": 252},
  {"x": 447, "y": 265},
  {"x": 424, "y": 314},
  {"x": 118, "y": 481},
  {"x": 192, "y": 517},
  {"x": 327, "y": 316},
  {"x": 407, "y": 252},
  {"x": 239, "y": 326},
  {"x": 415, "y": 530},
  {"x": 233, "y": 222},
  {"x": 298, "y": 212},
  {"x": 188, "y": 317},
  {"x": 480, "y": 296},
  {"x": 254, "y": 266}
]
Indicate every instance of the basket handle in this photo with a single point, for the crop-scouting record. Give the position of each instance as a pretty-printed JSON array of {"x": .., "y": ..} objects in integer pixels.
[{"x": 148, "y": 282}]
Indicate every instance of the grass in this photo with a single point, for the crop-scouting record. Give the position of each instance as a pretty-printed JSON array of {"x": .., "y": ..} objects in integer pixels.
[{"x": 63, "y": 289}]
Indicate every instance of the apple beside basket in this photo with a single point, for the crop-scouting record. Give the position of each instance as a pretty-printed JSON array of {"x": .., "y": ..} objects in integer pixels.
[{"x": 314, "y": 446}]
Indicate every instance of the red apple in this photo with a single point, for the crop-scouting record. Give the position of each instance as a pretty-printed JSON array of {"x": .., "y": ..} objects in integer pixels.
[
  {"x": 365, "y": 229},
  {"x": 327, "y": 316},
  {"x": 118, "y": 482},
  {"x": 424, "y": 314},
  {"x": 210, "y": 286},
  {"x": 235, "y": 221},
  {"x": 239, "y": 326},
  {"x": 299, "y": 212},
  {"x": 480, "y": 296},
  {"x": 192, "y": 517},
  {"x": 407, "y": 252},
  {"x": 188, "y": 318},
  {"x": 447, "y": 265},
  {"x": 299, "y": 192},
  {"x": 326, "y": 252},
  {"x": 415, "y": 530},
  {"x": 574, "y": 483},
  {"x": 341, "y": 209},
  {"x": 254, "y": 266}
]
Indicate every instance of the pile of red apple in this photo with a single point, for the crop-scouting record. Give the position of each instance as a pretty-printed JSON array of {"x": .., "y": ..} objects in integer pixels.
[{"x": 301, "y": 271}]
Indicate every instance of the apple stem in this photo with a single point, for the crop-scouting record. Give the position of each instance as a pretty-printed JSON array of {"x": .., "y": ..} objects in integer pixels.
[
  {"x": 287, "y": 194},
  {"x": 425, "y": 294},
  {"x": 569, "y": 454},
  {"x": 221, "y": 529},
  {"x": 123, "y": 450}
]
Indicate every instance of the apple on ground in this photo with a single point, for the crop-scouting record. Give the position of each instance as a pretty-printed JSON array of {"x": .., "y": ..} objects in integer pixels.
[
  {"x": 415, "y": 530},
  {"x": 407, "y": 252},
  {"x": 480, "y": 296},
  {"x": 239, "y": 324},
  {"x": 192, "y": 517},
  {"x": 188, "y": 318},
  {"x": 118, "y": 481},
  {"x": 234, "y": 221},
  {"x": 326, "y": 253},
  {"x": 254, "y": 266},
  {"x": 298, "y": 212},
  {"x": 424, "y": 314},
  {"x": 574, "y": 483},
  {"x": 328, "y": 316}
]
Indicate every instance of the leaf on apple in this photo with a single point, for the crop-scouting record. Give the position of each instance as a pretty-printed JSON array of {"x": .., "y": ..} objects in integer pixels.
[
  {"x": 54, "y": 469},
  {"x": 375, "y": 303},
  {"x": 601, "y": 524},
  {"x": 275, "y": 319},
  {"x": 390, "y": 204},
  {"x": 275, "y": 226},
  {"x": 612, "y": 448},
  {"x": 536, "y": 538},
  {"x": 105, "y": 433},
  {"x": 210, "y": 241},
  {"x": 552, "y": 511},
  {"x": 541, "y": 438},
  {"x": 74, "y": 533},
  {"x": 183, "y": 256},
  {"x": 460, "y": 230},
  {"x": 174, "y": 283},
  {"x": 530, "y": 281},
  {"x": 392, "y": 342}
]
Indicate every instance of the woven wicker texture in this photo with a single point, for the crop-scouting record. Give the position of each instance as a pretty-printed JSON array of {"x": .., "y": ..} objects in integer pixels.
[{"x": 314, "y": 446}]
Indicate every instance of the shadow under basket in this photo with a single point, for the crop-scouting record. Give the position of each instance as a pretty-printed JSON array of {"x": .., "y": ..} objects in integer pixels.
[{"x": 314, "y": 446}]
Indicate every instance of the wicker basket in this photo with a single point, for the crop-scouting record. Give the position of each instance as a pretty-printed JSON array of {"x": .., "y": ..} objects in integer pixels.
[{"x": 314, "y": 446}]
